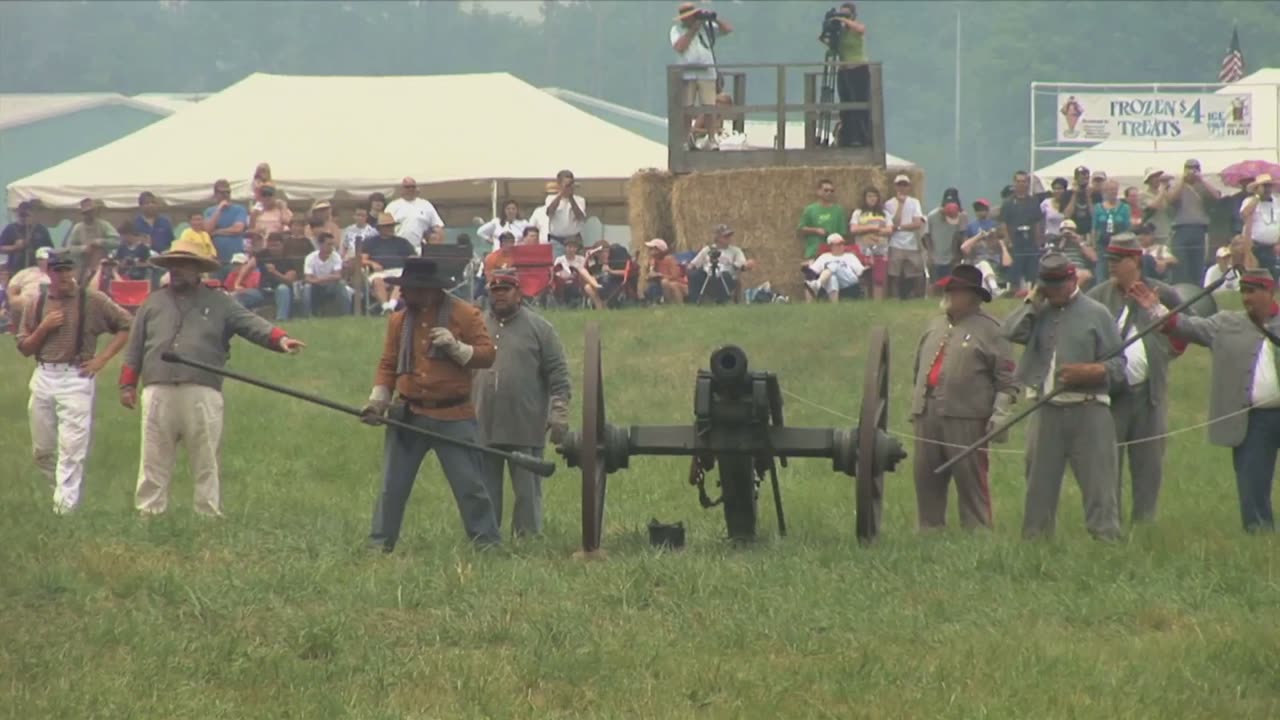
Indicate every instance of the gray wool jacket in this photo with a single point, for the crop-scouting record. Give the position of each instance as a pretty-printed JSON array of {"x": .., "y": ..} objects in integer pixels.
[
  {"x": 1236, "y": 343},
  {"x": 1159, "y": 350},
  {"x": 1082, "y": 331},
  {"x": 527, "y": 385}
]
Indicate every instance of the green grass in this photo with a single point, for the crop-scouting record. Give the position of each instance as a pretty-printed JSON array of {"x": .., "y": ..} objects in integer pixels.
[{"x": 276, "y": 611}]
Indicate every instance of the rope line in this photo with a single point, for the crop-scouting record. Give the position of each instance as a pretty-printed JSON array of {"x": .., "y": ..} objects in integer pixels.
[{"x": 1011, "y": 451}]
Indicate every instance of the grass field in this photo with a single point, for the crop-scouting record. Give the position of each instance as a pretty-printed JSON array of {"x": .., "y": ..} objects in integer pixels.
[{"x": 277, "y": 611}]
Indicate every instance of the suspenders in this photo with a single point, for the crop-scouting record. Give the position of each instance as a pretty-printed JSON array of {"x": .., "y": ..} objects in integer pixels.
[{"x": 81, "y": 302}]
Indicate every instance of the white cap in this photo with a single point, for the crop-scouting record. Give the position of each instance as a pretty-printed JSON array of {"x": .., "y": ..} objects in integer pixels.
[
  {"x": 1223, "y": 252},
  {"x": 835, "y": 238},
  {"x": 1149, "y": 172},
  {"x": 43, "y": 253},
  {"x": 902, "y": 179},
  {"x": 239, "y": 258},
  {"x": 657, "y": 243}
]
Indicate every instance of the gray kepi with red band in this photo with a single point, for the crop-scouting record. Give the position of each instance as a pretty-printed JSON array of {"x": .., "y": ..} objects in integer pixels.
[
  {"x": 967, "y": 278},
  {"x": 1056, "y": 270},
  {"x": 1258, "y": 278},
  {"x": 1123, "y": 245}
]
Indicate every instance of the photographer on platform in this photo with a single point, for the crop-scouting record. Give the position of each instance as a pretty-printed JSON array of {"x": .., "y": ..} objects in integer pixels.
[
  {"x": 844, "y": 34},
  {"x": 693, "y": 37},
  {"x": 715, "y": 268}
]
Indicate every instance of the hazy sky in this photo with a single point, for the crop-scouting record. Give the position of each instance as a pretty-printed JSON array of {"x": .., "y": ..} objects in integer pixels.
[{"x": 527, "y": 9}]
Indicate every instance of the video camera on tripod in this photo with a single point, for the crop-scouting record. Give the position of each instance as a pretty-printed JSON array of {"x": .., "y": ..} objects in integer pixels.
[{"x": 832, "y": 27}]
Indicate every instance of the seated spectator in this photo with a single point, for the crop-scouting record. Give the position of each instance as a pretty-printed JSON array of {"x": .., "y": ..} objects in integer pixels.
[
  {"x": 277, "y": 274},
  {"x": 261, "y": 180},
  {"x": 501, "y": 255},
  {"x": 322, "y": 271},
  {"x": 196, "y": 234},
  {"x": 134, "y": 255},
  {"x": 666, "y": 281},
  {"x": 1157, "y": 259},
  {"x": 1082, "y": 254},
  {"x": 384, "y": 257},
  {"x": 716, "y": 267},
  {"x": 244, "y": 275},
  {"x": 837, "y": 270},
  {"x": 355, "y": 234},
  {"x": 528, "y": 236},
  {"x": 297, "y": 244},
  {"x": 1222, "y": 265},
  {"x": 274, "y": 215},
  {"x": 572, "y": 280}
]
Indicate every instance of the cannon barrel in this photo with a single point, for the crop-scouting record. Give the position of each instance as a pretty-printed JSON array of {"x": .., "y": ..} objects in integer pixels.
[{"x": 729, "y": 366}]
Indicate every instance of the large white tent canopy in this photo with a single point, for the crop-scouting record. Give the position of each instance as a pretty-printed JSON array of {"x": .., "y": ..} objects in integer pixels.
[
  {"x": 1126, "y": 161},
  {"x": 459, "y": 136}
]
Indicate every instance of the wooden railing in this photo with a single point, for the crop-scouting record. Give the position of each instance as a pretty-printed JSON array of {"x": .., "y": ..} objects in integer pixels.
[{"x": 819, "y": 147}]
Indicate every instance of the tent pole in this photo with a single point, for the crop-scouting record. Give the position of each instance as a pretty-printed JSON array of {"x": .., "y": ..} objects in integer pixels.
[{"x": 493, "y": 197}]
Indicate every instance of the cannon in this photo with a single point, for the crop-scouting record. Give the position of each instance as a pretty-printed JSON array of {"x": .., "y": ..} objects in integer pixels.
[{"x": 738, "y": 427}]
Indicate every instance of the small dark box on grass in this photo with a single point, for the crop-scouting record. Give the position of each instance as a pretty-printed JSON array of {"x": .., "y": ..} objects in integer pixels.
[{"x": 670, "y": 537}]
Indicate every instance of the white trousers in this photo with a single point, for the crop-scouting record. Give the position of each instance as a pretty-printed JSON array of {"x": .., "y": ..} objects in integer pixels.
[
  {"x": 61, "y": 415},
  {"x": 837, "y": 278},
  {"x": 172, "y": 414}
]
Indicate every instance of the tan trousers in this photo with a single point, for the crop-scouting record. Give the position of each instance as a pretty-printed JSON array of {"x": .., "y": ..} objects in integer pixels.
[{"x": 192, "y": 415}]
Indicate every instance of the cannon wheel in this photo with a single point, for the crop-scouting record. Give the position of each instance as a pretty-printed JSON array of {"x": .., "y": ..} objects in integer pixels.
[
  {"x": 592, "y": 462},
  {"x": 874, "y": 416}
]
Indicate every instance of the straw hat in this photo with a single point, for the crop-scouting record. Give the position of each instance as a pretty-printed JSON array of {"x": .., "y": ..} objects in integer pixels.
[
  {"x": 186, "y": 251},
  {"x": 1263, "y": 179},
  {"x": 686, "y": 11}
]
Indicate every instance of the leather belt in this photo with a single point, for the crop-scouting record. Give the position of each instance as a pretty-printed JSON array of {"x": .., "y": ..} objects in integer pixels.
[{"x": 439, "y": 404}]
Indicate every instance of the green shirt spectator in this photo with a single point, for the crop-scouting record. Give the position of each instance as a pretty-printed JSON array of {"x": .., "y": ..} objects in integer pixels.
[{"x": 820, "y": 219}]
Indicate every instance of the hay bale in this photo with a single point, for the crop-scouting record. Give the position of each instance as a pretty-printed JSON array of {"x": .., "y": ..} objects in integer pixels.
[
  {"x": 649, "y": 206},
  {"x": 763, "y": 207}
]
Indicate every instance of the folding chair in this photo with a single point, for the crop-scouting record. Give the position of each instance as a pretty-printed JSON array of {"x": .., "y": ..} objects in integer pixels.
[
  {"x": 130, "y": 294},
  {"x": 533, "y": 265}
]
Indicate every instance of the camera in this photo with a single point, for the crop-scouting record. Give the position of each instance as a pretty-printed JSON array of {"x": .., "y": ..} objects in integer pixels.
[
  {"x": 832, "y": 28},
  {"x": 705, "y": 15}
]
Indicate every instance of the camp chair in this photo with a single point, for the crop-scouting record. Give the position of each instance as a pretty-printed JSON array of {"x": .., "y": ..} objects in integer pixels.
[
  {"x": 616, "y": 294},
  {"x": 533, "y": 264},
  {"x": 130, "y": 294}
]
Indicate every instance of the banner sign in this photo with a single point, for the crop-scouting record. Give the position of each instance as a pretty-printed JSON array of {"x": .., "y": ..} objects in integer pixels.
[{"x": 1196, "y": 117}]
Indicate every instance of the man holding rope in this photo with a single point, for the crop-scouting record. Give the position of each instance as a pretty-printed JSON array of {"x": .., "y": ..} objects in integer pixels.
[
  {"x": 963, "y": 388},
  {"x": 1244, "y": 398},
  {"x": 432, "y": 348},
  {"x": 1140, "y": 408},
  {"x": 1067, "y": 336}
]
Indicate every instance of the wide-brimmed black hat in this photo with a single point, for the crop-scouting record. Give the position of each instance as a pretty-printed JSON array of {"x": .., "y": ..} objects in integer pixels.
[
  {"x": 441, "y": 266},
  {"x": 966, "y": 277}
]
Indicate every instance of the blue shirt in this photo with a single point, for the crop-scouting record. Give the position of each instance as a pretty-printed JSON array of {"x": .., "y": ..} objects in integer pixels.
[
  {"x": 228, "y": 245},
  {"x": 977, "y": 226},
  {"x": 160, "y": 232},
  {"x": 1119, "y": 217}
]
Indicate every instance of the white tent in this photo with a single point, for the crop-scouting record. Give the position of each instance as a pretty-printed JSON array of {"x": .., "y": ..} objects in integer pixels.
[
  {"x": 1125, "y": 160},
  {"x": 17, "y": 109},
  {"x": 464, "y": 138}
]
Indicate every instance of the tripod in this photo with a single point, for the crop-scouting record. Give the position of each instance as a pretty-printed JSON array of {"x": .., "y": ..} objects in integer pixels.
[
  {"x": 713, "y": 271},
  {"x": 825, "y": 134}
]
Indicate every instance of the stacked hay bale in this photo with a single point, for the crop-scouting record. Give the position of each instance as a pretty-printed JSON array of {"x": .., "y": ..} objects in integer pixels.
[
  {"x": 761, "y": 205},
  {"x": 649, "y": 213}
]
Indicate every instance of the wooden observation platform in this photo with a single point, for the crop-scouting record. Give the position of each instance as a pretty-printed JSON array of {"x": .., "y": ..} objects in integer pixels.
[{"x": 819, "y": 119}]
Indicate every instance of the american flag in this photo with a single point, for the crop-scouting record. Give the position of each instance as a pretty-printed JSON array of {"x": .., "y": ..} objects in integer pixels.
[{"x": 1233, "y": 62}]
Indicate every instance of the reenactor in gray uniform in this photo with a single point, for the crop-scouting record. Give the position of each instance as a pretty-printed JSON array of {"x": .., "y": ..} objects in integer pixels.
[
  {"x": 1140, "y": 407},
  {"x": 963, "y": 388},
  {"x": 522, "y": 396},
  {"x": 1244, "y": 397},
  {"x": 1067, "y": 335}
]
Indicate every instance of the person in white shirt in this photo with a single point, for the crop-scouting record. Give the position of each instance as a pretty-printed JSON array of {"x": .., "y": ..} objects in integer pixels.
[
  {"x": 355, "y": 234},
  {"x": 571, "y": 277},
  {"x": 693, "y": 38},
  {"x": 906, "y": 265},
  {"x": 566, "y": 212},
  {"x": 1260, "y": 218},
  {"x": 1054, "y": 207},
  {"x": 1221, "y": 266},
  {"x": 322, "y": 270},
  {"x": 510, "y": 221},
  {"x": 416, "y": 218},
  {"x": 836, "y": 269}
]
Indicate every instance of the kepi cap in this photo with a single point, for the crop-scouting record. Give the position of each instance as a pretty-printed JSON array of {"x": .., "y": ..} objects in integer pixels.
[
  {"x": 1056, "y": 269},
  {"x": 504, "y": 277},
  {"x": 1123, "y": 245},
  {"x": 1258, "y": 278},
  {"x": 60, "y": 259}
]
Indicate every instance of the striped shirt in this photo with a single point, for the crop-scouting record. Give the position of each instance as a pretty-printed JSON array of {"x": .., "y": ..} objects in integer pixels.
[{"x": 101, "y": 316}]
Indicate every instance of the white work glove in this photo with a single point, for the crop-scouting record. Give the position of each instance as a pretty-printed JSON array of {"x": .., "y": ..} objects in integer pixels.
[
  {"x": 1001, "y": 411},
  {"x": 376, "y": 407},
  {"x": 459, "y": 351}
]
